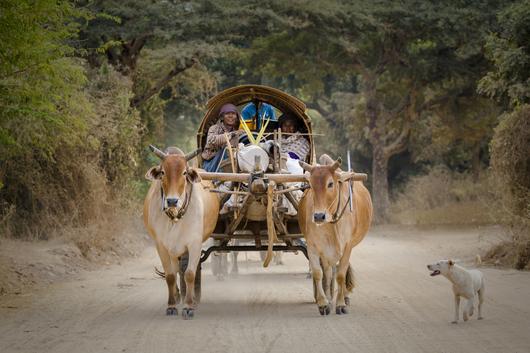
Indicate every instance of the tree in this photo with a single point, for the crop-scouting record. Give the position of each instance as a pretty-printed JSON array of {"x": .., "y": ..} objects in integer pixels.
[
  {"x": 508, "y": 82},
  {"x": 406, "y": 58},
  {"x": 508, "y": 48}
]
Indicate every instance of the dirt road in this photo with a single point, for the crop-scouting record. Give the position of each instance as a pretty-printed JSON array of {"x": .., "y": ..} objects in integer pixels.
[{"x": 396, "y": 306}]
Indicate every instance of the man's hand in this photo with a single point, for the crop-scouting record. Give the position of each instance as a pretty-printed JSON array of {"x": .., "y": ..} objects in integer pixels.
[{"x": 236, "y": 133}]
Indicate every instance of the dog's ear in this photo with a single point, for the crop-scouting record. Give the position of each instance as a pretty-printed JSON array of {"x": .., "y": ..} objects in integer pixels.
[{"x": 451, "y": 263}]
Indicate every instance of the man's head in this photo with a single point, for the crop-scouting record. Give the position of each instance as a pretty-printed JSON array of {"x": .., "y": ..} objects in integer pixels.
[
  {"x": 229, "y": 115},
  {"x": 288, "y": 123}
]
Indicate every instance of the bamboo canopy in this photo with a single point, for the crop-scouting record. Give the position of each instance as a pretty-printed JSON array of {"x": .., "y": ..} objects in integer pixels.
[{"x": 243, "y": 94}]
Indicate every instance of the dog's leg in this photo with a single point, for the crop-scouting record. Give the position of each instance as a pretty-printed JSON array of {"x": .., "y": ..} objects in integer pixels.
[
  {"x": 468, "y": 310},
  {"x": 457, "y": 308},
  {"x": 480, "y": 301}
]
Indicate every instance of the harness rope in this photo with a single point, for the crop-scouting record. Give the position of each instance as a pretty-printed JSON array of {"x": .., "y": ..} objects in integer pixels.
[{"x": 336, "y": 217}]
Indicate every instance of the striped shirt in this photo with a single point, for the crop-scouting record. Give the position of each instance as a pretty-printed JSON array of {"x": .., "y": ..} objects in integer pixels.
[{"x": 296, "y": 144}]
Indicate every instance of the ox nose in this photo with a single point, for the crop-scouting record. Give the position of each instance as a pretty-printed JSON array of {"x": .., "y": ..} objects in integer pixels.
[
  {"x": 319, "y": 217},
  {"x": 172, "y": 202}
]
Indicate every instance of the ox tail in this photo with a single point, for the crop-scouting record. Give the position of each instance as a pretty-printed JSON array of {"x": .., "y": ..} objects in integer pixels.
[
  {"x": 162, "y": 274},
  {"x": 350, "y": 279}
]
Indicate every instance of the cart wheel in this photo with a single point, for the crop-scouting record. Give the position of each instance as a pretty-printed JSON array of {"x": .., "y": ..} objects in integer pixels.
[
  {"x": 215, "y": 264},
  {"x": 183, "y": 264}
]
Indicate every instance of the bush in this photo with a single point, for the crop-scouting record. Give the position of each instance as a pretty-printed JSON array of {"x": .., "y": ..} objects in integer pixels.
[
  {"x": 510, "y": 163},
  {"x": 87, "y": 173},
  {"x": 443, "y": 196}
]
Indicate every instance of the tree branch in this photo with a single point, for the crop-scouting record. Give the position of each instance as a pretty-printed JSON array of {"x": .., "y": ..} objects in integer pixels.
[
  {"x": 400, "y": 143},
  {"x": 140, "y": 99}
]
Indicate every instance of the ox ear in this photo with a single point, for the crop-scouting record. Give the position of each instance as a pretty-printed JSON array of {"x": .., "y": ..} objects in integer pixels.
[
  {"x": 193, "y": 176},
  {"x": 305, "y": 166},
  {"x": 154, "y": 173}
]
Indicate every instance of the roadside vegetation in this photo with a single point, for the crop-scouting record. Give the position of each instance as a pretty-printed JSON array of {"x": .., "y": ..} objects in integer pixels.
[{"x": 432, "y": 99}]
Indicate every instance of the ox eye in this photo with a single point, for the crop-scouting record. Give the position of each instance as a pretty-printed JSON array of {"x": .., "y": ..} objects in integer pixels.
[{"x": 330, "y": 184}]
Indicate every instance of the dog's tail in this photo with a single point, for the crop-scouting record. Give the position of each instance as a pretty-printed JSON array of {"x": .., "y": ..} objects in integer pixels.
[
  {"x": 350, "y": 279},
  {"x": 478, "y": 260}
]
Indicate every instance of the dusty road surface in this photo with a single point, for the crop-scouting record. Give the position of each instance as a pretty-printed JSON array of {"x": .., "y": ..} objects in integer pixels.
[{"x": 396, "y": 306}]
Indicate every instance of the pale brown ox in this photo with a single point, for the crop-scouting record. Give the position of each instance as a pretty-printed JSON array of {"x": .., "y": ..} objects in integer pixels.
[
  {"x": 179, "y": 214},
  {"x": 330, "y": 228}
]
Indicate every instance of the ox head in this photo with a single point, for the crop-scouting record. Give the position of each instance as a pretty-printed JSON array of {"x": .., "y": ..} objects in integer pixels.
[
  {"x": 174, "y": 175},
  {"x": 324, "y": 181}
]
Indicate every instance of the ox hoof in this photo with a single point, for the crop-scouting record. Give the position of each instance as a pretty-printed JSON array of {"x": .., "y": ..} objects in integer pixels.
[
  {"x": 324, "y": 310},
  {"x": 347, "y": 301},
  {"x": 171, "y": 311},
  {"x": 339, "y": 310},
  {"x": 454, "y": 322},
  {"x": 480, "y": 318},
  {"x": 187, "y": 313}
]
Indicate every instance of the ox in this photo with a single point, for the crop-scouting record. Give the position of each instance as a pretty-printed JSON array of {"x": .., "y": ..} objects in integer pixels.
[
  {"x": 179, "y": 214},
  {"x": 331, "y": 229}
]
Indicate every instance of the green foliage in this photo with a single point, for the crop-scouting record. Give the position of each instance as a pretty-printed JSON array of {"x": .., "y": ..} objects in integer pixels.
[
  {"x": 69, "y": 138},
  {"x": 115, "y": 129},
  {"x": 509, "y": 50},
  {"x": 41, "y": 98}
]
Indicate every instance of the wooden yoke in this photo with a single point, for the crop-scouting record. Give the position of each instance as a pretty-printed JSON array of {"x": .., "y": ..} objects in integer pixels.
[{"x": 277, "y": 178}]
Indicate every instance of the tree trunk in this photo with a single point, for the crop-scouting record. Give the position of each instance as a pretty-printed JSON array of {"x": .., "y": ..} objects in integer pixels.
[
  {"x": 381, "y": 200},
  {"x": 475, "y": 162}
]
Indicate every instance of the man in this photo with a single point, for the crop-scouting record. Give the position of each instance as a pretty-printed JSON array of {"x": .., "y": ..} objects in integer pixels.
[
  {"x": 293, "y": 147},
  {"x": 292, "y": 143},
  {"x": 214, "y": 150}
]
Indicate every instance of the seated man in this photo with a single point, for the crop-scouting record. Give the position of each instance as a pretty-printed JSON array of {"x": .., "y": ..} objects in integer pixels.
[
  {"x": 254, "y": 121},
  {"x": 292, "y": 143},
  {"x": 293, "y": 147},
  {"x": 214, "y": 150}
]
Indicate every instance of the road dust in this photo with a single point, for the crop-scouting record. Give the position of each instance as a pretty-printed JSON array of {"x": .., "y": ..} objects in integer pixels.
[{"x": 396, "y": 306}]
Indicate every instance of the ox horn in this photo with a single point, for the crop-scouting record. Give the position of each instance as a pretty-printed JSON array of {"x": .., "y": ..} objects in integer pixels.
[
  {"x": 157, "y": 152},
  {"x": 336, "y": 164},
  {"x": 305, "y": 166},
  {"x": 192, "y": 154}
]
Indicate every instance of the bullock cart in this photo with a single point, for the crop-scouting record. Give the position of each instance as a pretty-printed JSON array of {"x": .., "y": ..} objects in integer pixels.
[{"x": 263, "y": 198}]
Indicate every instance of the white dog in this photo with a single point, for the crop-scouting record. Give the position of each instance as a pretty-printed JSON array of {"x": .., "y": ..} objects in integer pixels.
[{"x": 466, "y": 283}]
